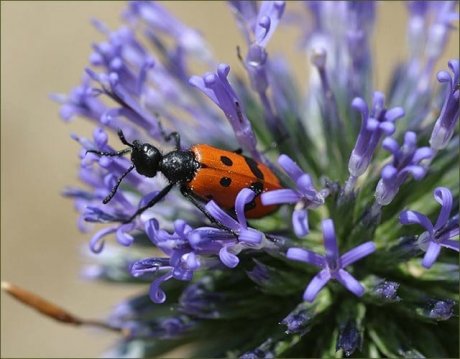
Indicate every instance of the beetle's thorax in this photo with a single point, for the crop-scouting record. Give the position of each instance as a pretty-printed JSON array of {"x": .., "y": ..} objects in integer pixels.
[{"x": 179, "y": 166}]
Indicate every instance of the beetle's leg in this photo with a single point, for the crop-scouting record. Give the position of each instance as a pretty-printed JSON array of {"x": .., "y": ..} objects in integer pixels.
[
  {"x": 189, "y": 195},
  {"x": 152, "y": 202},
  {"x": 176, "y": 137},
  {"x": 167, "y": 136},
  {"x": 114, "y": 189}
]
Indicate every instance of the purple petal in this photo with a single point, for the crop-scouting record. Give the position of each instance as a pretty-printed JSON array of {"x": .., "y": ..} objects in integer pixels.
[
  {"x": 290, "y": 167},
  {"x": 410, "y": 139},
  {"x": 391, "y": 145},
  {"x": 267, "y": 20},
  {"x": 221, "y": 216},
  {"x": 387, "y": 127},
  {"x": 357, "y": 253},
  {"x": 443, "y": 196},
  {"x": 359, "y": 104},
  {"x": 191, "y": 260},
  {"x": 451, "y": 244},
  {"x": 394, "y": 114},
  {"x": 123, "y": 237},
  {"x": 389, "y": 172},
  {"x": 414, "y": 217},
  {"x": 454, "y": 232},
  {"x": 250, "y": 236},
  {"x": 156, "y": 293},
  {"x": 96, "y": 243},
  {"x": 422, "y": 153},
  {"x": 316, "y": 284},
  {"x": 148, "y": 265},
  {"x": 305, "y": 185},
  {"x": 300, "y": 222},
  {"x": 151, "y": 228},
  {"x": 280, "y": 196},
  {"x": 227, "y": 258},
  {"x": 304, "y": 255},
  {"x": 349, "y": 282},
  {"x": 245, "y": 196},
  {"x": 418, "y": 172},
  {"x": 330, "y": 243},
  {"x": 443, "y": 76},
  {"x": 431, "y": 254},
  {"x": 207, "y": 239},
  {"x": 181, "y": 228}
]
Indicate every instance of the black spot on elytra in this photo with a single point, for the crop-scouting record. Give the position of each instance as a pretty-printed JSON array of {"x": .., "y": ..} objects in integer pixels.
[
  {"x": 225, "y": 181},
  {"x": 226, "y": 161},
  {"x": 257, "y": 187},
  {"x": 253, "y": 166},
  {"x": 250, "y": 205}
]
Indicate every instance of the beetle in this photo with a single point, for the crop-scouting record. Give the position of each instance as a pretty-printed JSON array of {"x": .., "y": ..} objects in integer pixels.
[{"x": 202, "y": 172}]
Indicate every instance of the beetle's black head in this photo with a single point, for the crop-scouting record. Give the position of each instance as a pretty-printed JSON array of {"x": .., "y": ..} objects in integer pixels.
[{"x": 146, "y": 158}]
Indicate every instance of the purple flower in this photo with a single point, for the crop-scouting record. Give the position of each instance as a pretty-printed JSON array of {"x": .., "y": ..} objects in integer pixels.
[
  {"x": 181, "y": 263},
  {"x": 81, "y": 102},
  {"x": 441, "y": 309},
  {"x": 406, "y": 160},
  {"x": 362, "y": 19},
  {"x": 349, "y": 338},
  {"x": 332, "y": 121},
  {"x": 375, "y": 124},
  {"x": 440, "y": 234},
  {"x": 332, "y": 266},
  {"x": 450, "y": 112},
  {"x": 304, "y": 196},
  {"x": 219, "y": 90},
  {"x": 258, "y": 28},
  {"x": 297, "y": 321},
  {"x": 387, "y": 291},
  {"x": 189, "y": 249},
  {"x": 245, "y": 236}
]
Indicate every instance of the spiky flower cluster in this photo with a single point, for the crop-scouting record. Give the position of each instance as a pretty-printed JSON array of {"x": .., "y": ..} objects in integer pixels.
[{"x": 358, "y": 167}]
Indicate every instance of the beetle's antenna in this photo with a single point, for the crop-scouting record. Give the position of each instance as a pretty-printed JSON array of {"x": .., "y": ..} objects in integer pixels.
[
  {"x": 114, "y": 189},
  {"x": 122, "y": 138},
  {"x": 118, "y": 153},
  {"x": 110, "y": 154}
]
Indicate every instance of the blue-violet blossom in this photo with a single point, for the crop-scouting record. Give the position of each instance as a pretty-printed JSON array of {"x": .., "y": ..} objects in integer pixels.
[{"x": 241, "y": 284}]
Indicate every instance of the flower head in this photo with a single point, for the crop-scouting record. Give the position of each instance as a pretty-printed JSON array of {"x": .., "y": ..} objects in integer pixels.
[{"x": 205, "y": 266}]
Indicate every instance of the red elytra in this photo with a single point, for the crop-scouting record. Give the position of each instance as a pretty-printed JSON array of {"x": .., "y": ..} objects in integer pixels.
[{"x": 223, "y": 174}]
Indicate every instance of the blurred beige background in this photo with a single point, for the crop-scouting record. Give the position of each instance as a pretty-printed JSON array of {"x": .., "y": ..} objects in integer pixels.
[{"x": 45, "y": 46}]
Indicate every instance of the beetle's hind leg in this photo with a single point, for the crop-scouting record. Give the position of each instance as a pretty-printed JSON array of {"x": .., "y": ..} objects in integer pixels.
[{"x": 190, "y": 196}]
